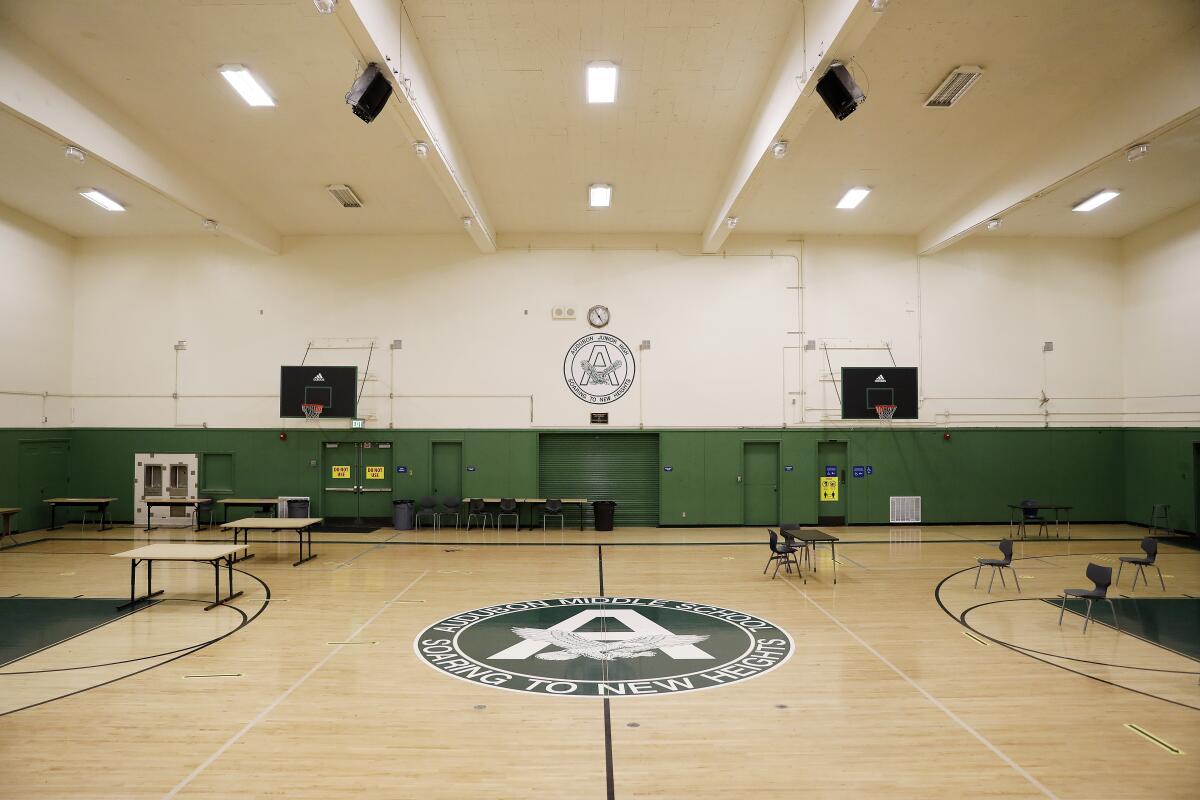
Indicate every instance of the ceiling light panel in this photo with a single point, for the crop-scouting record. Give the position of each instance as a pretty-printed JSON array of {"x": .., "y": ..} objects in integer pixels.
[
  {"x": 1096, "y": 200},
  {"x": 602, "y": 82},
  {"x": 101, "y": 199},
  {"x": 246, "y": 85},
  {"x": 854, "y": 196},
  {"x": 599, "y": 195}
]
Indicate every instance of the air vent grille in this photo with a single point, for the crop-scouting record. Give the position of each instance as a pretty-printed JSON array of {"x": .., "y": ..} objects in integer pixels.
[
  {"x": 344, "y": 195},
  {"x": 905, "y": 509},
  {"x": 954, "y": 87}
]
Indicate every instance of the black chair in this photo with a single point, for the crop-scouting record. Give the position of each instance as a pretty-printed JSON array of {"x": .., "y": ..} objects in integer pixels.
[
  {"x": 1150, "y": 547},
  {"x": 508, "y": 508},
  {"x": 478, "y": 508},
  {"x": 1160, "y": 511},
  {"x": 553, "y": 508},
  {"x": 427, "y": 507},
  {"x": 1102, "y": 578},
  {"x": 451, "y": 505},
  {"x": 782, "y": 554},
  {"x": 1030, "y": 515},
  {"x": 998, "y": 565}
]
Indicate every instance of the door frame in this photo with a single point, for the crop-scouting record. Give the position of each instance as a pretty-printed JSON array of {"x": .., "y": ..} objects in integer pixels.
[{"x": 778, "y": 476}]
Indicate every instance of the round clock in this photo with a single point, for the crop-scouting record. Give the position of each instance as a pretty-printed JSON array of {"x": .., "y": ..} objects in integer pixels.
[{"x": 598, "y": 316}]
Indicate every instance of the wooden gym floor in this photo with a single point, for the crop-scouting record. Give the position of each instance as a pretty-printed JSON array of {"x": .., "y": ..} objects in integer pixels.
[{"x": 310, "y": 688}]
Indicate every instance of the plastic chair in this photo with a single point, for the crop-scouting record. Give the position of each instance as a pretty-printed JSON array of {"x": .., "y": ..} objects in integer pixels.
[
  {"x": 553, "y": 508},
  {"x": 508, "y": 508},
  {"x": 782, "y": 554},
  {"x": 451, "y": 505},
  {"x": 1102, "y": 578},
  {"x": 1029, "y": 514},
  {"x": 426, "y": 507},
  {"x": 998, "y": 565},
  {"x": 478, "y": 508},
  {"x": 1150, "y": 547},
  {"x": 1160, "y": 511}
]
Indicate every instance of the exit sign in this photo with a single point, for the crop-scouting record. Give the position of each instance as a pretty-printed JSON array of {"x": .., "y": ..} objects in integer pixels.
[
  {"x": 600, "y": 418},
  {"x": 357, "y": 423}
]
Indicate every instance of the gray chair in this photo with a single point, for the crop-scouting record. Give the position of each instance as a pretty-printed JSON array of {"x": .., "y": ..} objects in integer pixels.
[
  {"x": 783, "y": 555},
  {"x": 476, "y": 508},
  {"x": 451, "y": 505},
  {"x": 508, "y": 508},
  {"x": 1102, "y": 578},
  {"x": 1029, "y": 516},
  {"x": 427, "y": 507},
  {"x": 998, "y": 565},
  {"x": 1161, "y": 511},
  {"x": 1150, "y": 547},
  {"x": 553, "y": 508}
]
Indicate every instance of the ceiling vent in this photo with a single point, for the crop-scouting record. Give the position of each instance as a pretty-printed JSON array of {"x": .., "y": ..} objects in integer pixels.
[
  {"x": 344, "y": 195},
  {"x": 954, "y": 87}
]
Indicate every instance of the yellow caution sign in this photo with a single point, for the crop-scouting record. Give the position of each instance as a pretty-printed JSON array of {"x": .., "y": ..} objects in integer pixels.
[
  {"x": 829, "y": 490},
  {"x": 374, "y": 473},
  {"x": 341, "y": 472}
]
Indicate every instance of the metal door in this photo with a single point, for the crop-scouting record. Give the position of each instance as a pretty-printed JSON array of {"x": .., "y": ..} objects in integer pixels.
[{"x": 760, "y": 464}]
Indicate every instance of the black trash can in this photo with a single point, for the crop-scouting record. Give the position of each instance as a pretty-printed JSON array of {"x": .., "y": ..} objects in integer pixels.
[
  {"x": 298, "y": 508},
  {"x": 403, "y": 512},
  {"x": 603, "y": 511}
]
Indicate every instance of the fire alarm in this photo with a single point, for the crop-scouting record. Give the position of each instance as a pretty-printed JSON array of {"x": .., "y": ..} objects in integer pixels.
[
  {"x": 946, "y": 436},
  {"x": 283, "y": 436}
]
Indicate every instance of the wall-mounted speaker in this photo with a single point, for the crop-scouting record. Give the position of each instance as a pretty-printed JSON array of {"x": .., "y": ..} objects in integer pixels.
[
  {"x": 369, "y": 93},
  {"x": 839, "y": 91}
]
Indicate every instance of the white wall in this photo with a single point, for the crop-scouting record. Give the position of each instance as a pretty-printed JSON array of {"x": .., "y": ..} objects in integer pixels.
[
  {"x": 725, "y": 348},
  {"x": 1161, "y": 321},
  {"x": 35, "y": 323}
]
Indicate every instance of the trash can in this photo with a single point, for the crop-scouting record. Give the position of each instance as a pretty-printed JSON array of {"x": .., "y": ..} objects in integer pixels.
[
  {"x": 602, "y": 511},
  {"x": 402, "y": 514},
  {"x": 297, "y": 507}
]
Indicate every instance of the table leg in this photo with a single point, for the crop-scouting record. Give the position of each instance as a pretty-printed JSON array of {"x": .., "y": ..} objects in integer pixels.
[
  {"x": 833, "y": 552},
  {"x": 105, "y": 511},
  {"x": 217, "y": 599},
  {"x": 310, "y": 555},
  {"x": 133, "y": 562},
  {"x": 53, "y": 508},
  {"x": 246, "y": 541}
]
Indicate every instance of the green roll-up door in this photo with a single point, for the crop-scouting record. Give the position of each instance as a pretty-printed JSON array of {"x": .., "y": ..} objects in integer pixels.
[{"x": 615, "y": 466}]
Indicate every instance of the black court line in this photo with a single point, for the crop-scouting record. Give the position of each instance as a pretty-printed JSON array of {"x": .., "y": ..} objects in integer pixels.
[{"x": 608, "y": 749}]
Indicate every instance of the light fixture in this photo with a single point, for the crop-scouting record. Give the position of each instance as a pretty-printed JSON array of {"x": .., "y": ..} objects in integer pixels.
[
  {"x": 1096, "y": 200},
  {"x": 467, "y": 221},
  {"x": 209, "y": 224},
  {"x": 599, "y": 195},
  {"x": 601, "y": 82},
  {"x": 854, "y": 196},
  {"x": 325, "y": 6},
  {"x": 244, "y": 83},
  {"x": 879, "y": 6},
  {"x": 101, "y": 199},
  {"x": 779, "y": 149},
  {"x": 1137, "y": 152},
  {"x": 74, "y": 153},
  {"x": 993, "y": 224},
  {"x": 731, "y": 222},
  {"x": 421, "y": 149}
]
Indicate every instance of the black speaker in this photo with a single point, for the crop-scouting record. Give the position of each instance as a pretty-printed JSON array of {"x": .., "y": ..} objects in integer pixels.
[
  {"x": 839, "y": 91},
  {"x": 369, "y": 94}
]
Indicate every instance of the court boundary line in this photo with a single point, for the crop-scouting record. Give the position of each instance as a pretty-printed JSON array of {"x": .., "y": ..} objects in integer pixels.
[
  {"x": 1024, "y": 773},
  {"x": 266, "y": 711},
  {"x": 74, "y": 635}
]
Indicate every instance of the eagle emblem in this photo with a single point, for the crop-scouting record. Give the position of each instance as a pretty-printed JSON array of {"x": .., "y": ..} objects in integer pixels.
[
  {"x": 597, "y": 374},
  {"x": 573, "y": 645}
]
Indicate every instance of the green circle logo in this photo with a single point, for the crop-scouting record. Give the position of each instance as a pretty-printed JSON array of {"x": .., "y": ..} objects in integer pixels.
[{"x": 603, "y": 646}]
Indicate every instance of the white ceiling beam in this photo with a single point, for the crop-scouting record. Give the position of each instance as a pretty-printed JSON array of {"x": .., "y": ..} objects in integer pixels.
[
  {"x": 1153, "y": 97},
  {"x": 384, "y": 35},
  {"x": 35, "y": 87},
  {"x": 823, "y": 31}
]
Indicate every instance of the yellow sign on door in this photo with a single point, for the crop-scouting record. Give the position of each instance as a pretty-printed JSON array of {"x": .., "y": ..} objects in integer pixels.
[
  {"x": 829, "y": 490},
  {"x": 341, "y": 472},
  {"x": 374, "y": 473}
]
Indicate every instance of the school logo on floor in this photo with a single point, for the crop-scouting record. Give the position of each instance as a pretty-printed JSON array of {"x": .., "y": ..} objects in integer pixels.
[
  {"x": 603, "y": 646},
  {"x": 599, "y": 368}
]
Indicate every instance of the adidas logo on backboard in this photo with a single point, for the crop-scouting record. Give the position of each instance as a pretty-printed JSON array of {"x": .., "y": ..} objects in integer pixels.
[
  {"x": 321, "y": 377},
  {"x": 880, "y": 379}
]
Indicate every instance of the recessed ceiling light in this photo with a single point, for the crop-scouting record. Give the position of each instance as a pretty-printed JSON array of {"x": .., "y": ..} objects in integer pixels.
[
  {"x": 1096, "y": 200},
  {"x": 244, "y": 83},
  {"x": 599, "y": 195},
  {"x": 325, "y": 6},
  {"x": 1137, "y": 152},
  {"x": 74, "y": 153},
  {"x": 101, "y": 199},
  {"x": 854, "y": 196},
  {"x": 421, "y": 149},
  {"x": 993, "y": 224},
  {"x": 731, "y": 222},
  {"x": 779, "y": 149},
  {"x": 602, "y": 82}
]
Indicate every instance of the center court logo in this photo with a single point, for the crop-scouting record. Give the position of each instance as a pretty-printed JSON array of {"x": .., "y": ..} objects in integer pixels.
[
  {"x": 603, "y": 646},
  {"x": 599, "y": 368}
]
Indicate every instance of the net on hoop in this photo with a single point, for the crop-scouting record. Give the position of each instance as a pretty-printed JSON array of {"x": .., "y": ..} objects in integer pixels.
[
  {"x": 312, "y": 411},
  {"x": 885, "y": 411}
]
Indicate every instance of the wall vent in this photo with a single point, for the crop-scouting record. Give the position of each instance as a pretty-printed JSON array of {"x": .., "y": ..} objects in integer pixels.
[
  {"x": 905, "y": 509},
  {"x": 954, "y": 87},
  {"x": 344, "y": 195}
]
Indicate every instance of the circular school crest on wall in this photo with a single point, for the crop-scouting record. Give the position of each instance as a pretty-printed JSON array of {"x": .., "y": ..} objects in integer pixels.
[
  {"x": 599, "y": 368},
  {"x": 603, "y": 646}
]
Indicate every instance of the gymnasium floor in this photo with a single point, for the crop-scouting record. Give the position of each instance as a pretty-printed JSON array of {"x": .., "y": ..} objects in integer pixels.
[{"x": 310, "y": 687}]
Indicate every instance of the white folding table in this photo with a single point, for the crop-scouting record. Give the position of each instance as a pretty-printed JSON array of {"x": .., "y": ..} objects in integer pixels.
[
  {"x": 301, "y": 526},
  {"x": 214, "y": 554}
]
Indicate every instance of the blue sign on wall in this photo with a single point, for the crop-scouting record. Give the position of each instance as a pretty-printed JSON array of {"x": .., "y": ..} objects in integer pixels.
[
  {"x": 668, "y": 468},
  {"x": 830, "y": 471},
  {"x": 788, "y": 467},
  {"x": 870, "y": 470},
  {"x": 402, "y": 470},
  {"x": 859, "y": 472}
]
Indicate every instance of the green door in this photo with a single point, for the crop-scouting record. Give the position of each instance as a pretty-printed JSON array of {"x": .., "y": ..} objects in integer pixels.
[
  {"x": 375, "y": 483},
  {"x": 43, "y": 473},
  {"x": 760, "y": 474},
  {"x": 831, "y": 505},
  {"x": 339, "y": 476},
  {"x": 447, "y": 470},
  {"x": 602, "y": 466}
]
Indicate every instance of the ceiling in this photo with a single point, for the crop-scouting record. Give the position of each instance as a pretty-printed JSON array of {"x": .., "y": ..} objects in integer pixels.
[{"x": 510, "y": 78}]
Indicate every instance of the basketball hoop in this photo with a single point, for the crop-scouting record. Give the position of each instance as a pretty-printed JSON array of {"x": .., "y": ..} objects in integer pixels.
[
  {"x": 312, "y": 411},
  {"x": 885, "y": 411}
]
